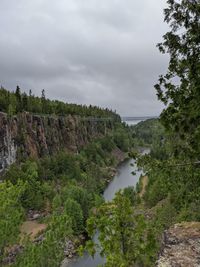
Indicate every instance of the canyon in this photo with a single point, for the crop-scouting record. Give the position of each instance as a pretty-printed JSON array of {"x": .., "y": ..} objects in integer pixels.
[{"x": 33, "y": 136}]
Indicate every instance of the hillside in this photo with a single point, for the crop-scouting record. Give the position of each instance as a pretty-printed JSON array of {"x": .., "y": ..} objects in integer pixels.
[
  {"x": 14, "y": 102},
  {"x": 57, "y": 159},
  {"x": 26, "y": 135},
  {"x": 53, "y": 171}
]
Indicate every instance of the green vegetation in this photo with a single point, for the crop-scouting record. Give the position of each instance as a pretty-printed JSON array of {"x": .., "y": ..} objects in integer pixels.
[
  {"x": 11, "y": 213},
  {"x": 125, "y": 238},
  {"x": 15, "y": 102},
  {"x": 148, "y": 132},
  {"x": 70, "y": 186},
  {"x": 173, "y": 191},
  {"x": 50, "y": 251},
  {"x": 152, "y": 134},
  {"x": 179, "y": 88},
  {"x": 178, "y": 178},
  {"x": 65, "y": 187}
]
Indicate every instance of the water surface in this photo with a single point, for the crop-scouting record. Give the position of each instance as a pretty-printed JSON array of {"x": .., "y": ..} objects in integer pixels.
[{"x": 122, "y": 179}]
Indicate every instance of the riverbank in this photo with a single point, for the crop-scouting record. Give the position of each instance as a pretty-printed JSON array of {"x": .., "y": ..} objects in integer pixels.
[
  {"x": 71, "y": 250},
  {"x": 122, "y": 179},
  {"x": 119, "y": 157},
  {"x": 144, "y": 182},
  {"x": 91, "y": 177}
]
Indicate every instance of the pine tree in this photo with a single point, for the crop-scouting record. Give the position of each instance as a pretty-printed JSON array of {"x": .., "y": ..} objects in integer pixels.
[
  {"x": 24, "y": 102},
  {"x": 43, "y": 101},
  {"x": 11, "y": 214},
  {"x": 18, "y": 98},
  {"x": 123, "y": 235},
  {"x": 179, "y": 88}
]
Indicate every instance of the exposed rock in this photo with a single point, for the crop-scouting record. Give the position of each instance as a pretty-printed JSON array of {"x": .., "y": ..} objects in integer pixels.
[
  {"x": 12, "y": 254},
  {"x": 69, "y": 249},
  {"x": 39, "y": 239},
  {"x": 35, "y": 215},
  {"x": 32, "y": 229},
  {"x": 181, "y": 246},
  {"x": 118, "y": 154},
  {"x": 28, "y": 135},
  {"x": 8, "y": 148}
]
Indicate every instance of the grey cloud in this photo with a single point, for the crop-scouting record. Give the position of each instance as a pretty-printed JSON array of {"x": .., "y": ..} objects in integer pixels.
[{"x": 90, "y": 52}]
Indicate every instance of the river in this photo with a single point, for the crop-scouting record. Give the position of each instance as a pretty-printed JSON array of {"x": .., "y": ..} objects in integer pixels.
[{"x": 122, "y": 179}]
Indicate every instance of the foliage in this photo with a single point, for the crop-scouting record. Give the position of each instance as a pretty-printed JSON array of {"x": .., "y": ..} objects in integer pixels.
[
  {"x": 122, "y": 138},
  {"x": 108, "y": 144},
  {"x": 173, "y": 189},
  {"x": 35, "y": 192},
  {"x": 74, "y": 211},
  {"x": 150, "y": 133},
  {"x": 11, "y": 213},
  {"x": 179, "y": 88},
  {"x": 130, "y": 193},
  {"x": 33, "y": 195},
  {"x": 173, "y": 169},
  {"x": 124, "y": 237},
  {"x": 94, "y": 153},
  {"x": 16, "y": 102},
  {"x": 80, "y": 195},
  {"x": 51, "y": 251},
  {"x": 65, "y": 186}
]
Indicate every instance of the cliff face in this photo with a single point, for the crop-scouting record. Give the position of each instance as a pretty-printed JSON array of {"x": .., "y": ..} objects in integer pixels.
[
  {"x": 8, "y": 149},
  {"x": 181, "y": 246},
  {"x": 28, "y": 135}
]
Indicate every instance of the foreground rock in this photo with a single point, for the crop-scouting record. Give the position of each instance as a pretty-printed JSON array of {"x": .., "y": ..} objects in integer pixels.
[
  {"x": 11, "y": 254},
  {"x": 181, "y": 246},
  {"x": 69, "y": 250}
]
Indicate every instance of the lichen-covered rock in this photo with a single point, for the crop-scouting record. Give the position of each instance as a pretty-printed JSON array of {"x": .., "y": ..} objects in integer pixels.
[
  {"x": 28, "y": 135},
  {"x": 181, "y": 246},
  {"x": 8, "y": 147}
]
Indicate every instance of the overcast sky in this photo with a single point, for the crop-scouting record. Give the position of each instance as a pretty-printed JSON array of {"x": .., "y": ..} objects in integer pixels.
[{"x": 100, "y": 52}]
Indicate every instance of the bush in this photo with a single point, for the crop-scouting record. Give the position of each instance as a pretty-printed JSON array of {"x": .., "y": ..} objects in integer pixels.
[
  {"x": 130, "y": 193},
  {"x": 74, "y": 211}
]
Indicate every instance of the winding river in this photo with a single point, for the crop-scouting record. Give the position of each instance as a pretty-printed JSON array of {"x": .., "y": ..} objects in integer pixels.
[{"x": 122, "y": 179}]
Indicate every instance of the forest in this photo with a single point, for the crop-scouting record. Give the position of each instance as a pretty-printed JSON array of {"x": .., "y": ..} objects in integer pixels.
[
  {"x": 61, "y": 190},
  {"x": 68, "y": 187},
  {"x": 15, "y": 102},
  {"x": 135, "y": 223}
]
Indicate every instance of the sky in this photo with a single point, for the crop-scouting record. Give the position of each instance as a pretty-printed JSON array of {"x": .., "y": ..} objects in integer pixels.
[{"x": 99, "y": 52}]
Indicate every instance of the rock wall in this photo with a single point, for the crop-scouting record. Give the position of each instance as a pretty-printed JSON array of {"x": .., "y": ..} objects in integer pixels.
[
  {"x": 181, "y": 246},
  {"x": 8, "y": 149},
  {"x": 28, "y": 135}
]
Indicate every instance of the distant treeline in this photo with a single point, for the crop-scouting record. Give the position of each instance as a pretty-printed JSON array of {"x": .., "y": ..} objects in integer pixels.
[
  {"x": 13, "y": 103},
  {"x": 139, "y": 118}
]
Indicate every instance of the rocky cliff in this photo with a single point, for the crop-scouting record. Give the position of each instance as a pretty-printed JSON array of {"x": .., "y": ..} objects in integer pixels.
[
  {"x": 181, "y": 246},
  {"x": 28, "y": 135}
]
